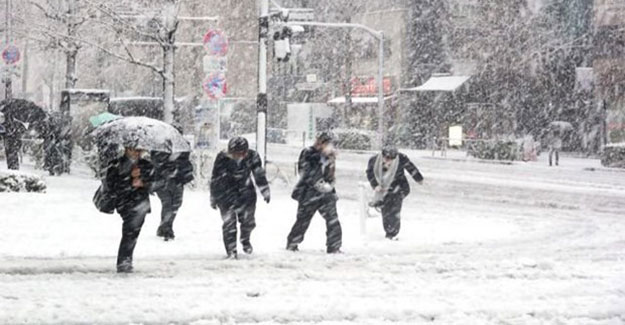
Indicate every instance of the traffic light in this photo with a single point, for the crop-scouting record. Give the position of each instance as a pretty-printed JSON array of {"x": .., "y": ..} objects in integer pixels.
[{"x": 282, "y": 44}]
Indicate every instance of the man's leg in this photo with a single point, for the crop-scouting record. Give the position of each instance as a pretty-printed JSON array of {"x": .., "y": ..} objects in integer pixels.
[
  {"x": 11, "y": 148},
  {"x": 176, "y": 203},
  {"x": 334, "y": 234},
  {"x": 131, "y": 227},
  {"x": 248, "y": 223},
  {"x": 557, "y": 157},
  {"x": 550, "y": 157},
  {"x": 165, "y": 197},
  {"x": 391, "y": 215},
  {"x": 229, "y": 229},
  {"x": 305, "y": 212}
]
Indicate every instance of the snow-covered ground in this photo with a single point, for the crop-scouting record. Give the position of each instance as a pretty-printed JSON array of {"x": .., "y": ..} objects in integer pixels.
[{"x": 481, "y": 243}]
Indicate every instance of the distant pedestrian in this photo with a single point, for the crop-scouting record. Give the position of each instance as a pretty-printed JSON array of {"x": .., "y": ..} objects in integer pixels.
[
  {"x": 315, "y": 192},
  {"x": 172, "y": 173},
  {"x": 233, "y": 192},
  {"x": 128, "y": 181},
  {"x": 52, "y": 145},
  {"x": 385, "y": 173},
  {"x": 555, "y": 145}
]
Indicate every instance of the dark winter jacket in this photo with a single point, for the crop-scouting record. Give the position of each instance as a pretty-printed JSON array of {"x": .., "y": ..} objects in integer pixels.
[
  {"x": 119, "y": 184},
  {"x": 53, "y": 145},
  {"x": 231, "y": 183},
  {"x": 168, "y": 172},
  {"x": 400, "y": 183},
  {"x": 311, "y": 170}
]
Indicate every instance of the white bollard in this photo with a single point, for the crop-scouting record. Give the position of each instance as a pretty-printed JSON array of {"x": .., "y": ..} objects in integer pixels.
[{"x": 362, "y": 187}]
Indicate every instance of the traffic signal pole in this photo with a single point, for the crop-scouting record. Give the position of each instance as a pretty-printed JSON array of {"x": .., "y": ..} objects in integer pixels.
[
  {"x": 8, "y": 81},
  {"x": 261, "y": 100}
]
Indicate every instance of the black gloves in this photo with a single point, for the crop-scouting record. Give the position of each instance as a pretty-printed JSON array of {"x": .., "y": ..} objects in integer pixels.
[{"x": 266, "y": 195}]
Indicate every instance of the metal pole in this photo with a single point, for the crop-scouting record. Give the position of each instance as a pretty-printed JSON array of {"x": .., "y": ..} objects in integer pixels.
[
  {"x": 261, "y": 100},
  {"x": 381, "y": 92},
  {"x": 8, "y": 83}
]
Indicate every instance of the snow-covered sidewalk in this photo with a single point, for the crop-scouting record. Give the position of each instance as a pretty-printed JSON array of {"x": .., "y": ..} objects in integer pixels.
[{"x": 480, "y": 244}]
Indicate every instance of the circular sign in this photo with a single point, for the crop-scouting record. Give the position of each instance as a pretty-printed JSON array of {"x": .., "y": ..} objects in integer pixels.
[
  {"x": 11, "y": 54},
  {"x": 216, "y": 43},
  {"x": 215, "y": 85}
]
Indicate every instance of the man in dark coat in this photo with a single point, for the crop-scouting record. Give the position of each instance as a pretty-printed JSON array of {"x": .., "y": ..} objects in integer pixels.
[
  {"x": 233, "y": 191},
  {"x": 172, "y": 172},
  {"x": 385, "y": 173},
  {"x": 128, "y": 180},
  {"x": 315, "y": 192},
  {"x": 52, "y": 144}
]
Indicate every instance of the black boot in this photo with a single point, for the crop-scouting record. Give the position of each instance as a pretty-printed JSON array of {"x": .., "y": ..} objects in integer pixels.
[
  {"x": 125, "y": 266},
  {"x": 169, "y": 235},
  {"x": 247, "y": 248},
  {"x": 334, "y": 251},
  {"x": 232, "y": 255}
]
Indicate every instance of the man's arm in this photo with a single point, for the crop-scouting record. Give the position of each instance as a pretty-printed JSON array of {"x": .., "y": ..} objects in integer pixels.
[
  {"x": 260, "y": 177},
  {"x": 304, "y": 166},
  {"x": 371, "y": 173},
  {"x": 147, "y": 174},
  {"x": 217, "y": 178},
  {"x": 411, "y": 169}
]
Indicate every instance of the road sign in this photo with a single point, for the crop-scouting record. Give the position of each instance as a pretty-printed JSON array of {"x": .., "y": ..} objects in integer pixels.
[
  {"x": 215, "y": 85},
  {"x": 11, "y": 54},
  {"x": 216, "y": 43}
]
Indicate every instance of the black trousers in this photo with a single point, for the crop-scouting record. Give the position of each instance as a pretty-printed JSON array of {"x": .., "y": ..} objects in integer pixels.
[
  {"x": 391, "y": 214},
  {"x": 12, "y": 146},
  {"x": 131, "y": 227},
  {"x": 171, "y": 200},
  {"x": 230, "y": 215},
  {"x": 305, "y": 212}
]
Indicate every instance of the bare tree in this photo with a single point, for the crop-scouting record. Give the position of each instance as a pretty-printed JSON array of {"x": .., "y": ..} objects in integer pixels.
[
  {"x": 144, "y": 25},
  {"x": 57, "y": 25}
]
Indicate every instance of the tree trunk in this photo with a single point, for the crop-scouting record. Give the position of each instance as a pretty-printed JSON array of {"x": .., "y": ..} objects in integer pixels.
[
  {"x": 70, "y": 69},
  {"x": 72, "y": 52},
  {"x": 25, "y": 67},
  {"x": 169, "y": 83},
  {"x": 169, "y": 59}
]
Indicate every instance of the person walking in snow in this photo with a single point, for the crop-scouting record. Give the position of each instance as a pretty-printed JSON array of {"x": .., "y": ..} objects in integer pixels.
[
  {"x": 172, "y": 172},
  {"x": 128, "y": 181},
  {"x": 385, "y": 173},
  {"x": 233, "y": 192},
  {"x": 315, "y": 192},
  {"x": 555, "y": 145},
  {"x": 53, "y": 156}
]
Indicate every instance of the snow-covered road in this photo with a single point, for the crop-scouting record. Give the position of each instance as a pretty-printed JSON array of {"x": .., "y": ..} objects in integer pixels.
[{"x": 480, "y": 244}]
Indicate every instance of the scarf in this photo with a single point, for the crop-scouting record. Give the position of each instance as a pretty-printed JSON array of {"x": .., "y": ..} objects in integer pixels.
[{"x": 384, "y": 178}]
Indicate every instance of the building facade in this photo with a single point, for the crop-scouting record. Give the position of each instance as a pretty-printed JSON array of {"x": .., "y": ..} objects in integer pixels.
[{"x": 609, "y": 65}]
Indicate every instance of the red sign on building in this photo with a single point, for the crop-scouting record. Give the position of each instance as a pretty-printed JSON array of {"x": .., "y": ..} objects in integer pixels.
[{"x": 368, "y": 87}]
